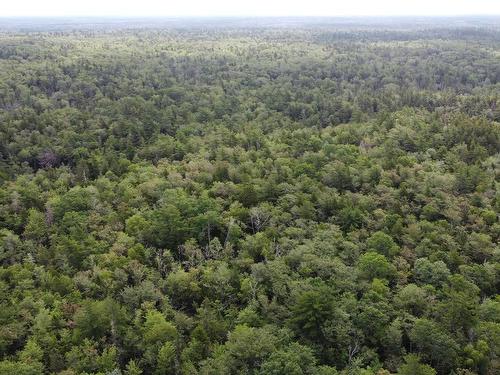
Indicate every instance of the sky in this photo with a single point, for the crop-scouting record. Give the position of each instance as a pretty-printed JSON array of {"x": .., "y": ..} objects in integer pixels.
[{"x": 143, "y": 8}]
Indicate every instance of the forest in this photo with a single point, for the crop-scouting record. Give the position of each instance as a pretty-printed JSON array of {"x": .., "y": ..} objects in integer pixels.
[{"x": 263, "y": 198}]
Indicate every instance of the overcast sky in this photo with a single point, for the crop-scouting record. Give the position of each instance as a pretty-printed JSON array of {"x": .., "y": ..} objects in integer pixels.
[{"x": 246, "y": 8}]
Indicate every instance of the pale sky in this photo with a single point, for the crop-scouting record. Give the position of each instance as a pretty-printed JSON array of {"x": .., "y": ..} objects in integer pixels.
[{"x": 246, "y": 8}]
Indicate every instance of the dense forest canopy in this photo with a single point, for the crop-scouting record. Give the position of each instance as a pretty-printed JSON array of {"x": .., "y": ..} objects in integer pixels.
[{"x": 250, "y": 197}]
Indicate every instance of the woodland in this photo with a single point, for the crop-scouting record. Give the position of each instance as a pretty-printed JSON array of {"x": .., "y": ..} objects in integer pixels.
[{"x": 310, "y": 198}]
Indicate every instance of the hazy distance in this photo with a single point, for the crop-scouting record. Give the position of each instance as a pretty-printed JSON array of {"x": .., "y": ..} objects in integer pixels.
[{"x": 197, "y": 8}]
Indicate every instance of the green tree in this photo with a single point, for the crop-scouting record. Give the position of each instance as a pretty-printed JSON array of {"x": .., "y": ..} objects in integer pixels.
[
  {"x": 373, "y": 265},
  {"x": 434, "y": 344},
  {"x": 412, "y": 366},
  {"x": 382, "y": 244}
]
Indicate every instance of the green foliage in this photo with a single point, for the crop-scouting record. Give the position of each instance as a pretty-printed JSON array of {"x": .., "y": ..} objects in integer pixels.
[
  {"x": 413, "y": 366},
  {"x": 245, "y": 348},
  {"x": 311, "y": 310},
  {"x": 373, "y": 265},
  {"x": 435, "y": 344},
  {"x": 383, "y": 244},
  {"x": 226, "y": 197},
  {"x": 157, "y": 329},
  {"x": 9, "y": 367},
  {"x": 166, "y": 360},
  {"x": 293, "y": 360}
]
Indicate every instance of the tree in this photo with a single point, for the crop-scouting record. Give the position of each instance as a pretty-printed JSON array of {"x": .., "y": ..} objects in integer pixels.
[
  {"x": 10, "y": 367},
  {"x": 427, "y": 272},
  {"x": 373, "y": 265},
  {"x": 132, "y": 368},
  {"x": 244, "y": 350},
  {"x": 97, "y": 319},
  {"x": 460, "y": 307},
  {"x": 412, "y": 366},
  {"x": 157, "y": 329},
  {"x": 413, "y": 299},
  {"x": 350, "y": 218},
  {"x": 434, "y": 344},
  {"x": 296, "y": 359},
  {"x": 166, "y": 359},
  {"x": 382, "y": 244},
  {"x": 167, "y": 228},
  {"x": 223, "y": 199},
  {"x": 310, "y": 312}
]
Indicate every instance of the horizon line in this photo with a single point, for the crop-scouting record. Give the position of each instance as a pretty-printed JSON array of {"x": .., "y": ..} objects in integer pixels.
[{"x": 252, "y": 16}]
